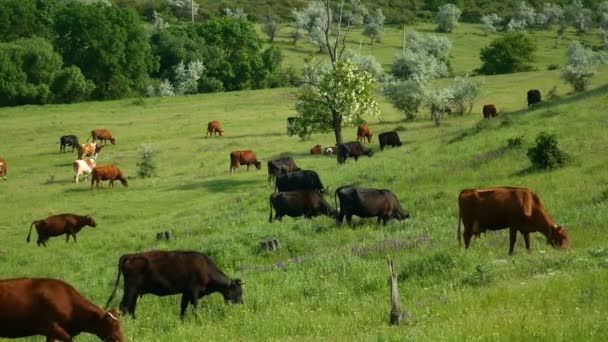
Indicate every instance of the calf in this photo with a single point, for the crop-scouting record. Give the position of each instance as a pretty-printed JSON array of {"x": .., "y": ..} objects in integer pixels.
[
  {"x": 246, "y": 157},
  {"x": 305, "y": 203},
  {"x": 83, "y": 167},
  {"x": 367, "y": 202},
  {"x": 364, "y": 132},
  {"x": 214, "y": 128},
  {"x": 165, "y": 273},
  {"x": 54, "y": 309},
  {"x": 281, "y": 166},
  {"x": 102, "y": 135},
  {"x": 489, "y": 111},
  {"x": 330, "y": 150},
  {"x": 107, "y": 172},
  {"x": 3, "y": 168},
  {"x": 88, "y": 150},
  {"x": 316, "y": 150},
  {"x": 352, "y": 149},
  {"x": 497, "y": 208},
  {"x": 299, "y": 180},
  {"x": 68, "y": 140},
  {"x": 533, "y": 97},
  {"x": 68, "y": 224},
  {"x": 389, "y": 139}
]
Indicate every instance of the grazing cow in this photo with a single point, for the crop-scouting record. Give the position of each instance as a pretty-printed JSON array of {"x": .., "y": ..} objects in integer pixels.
[
  {"x": 68, "y": 224},
  {"x": 489, "y": 111},
  {"x": 52, "y": 308},
  {"x": 83, "y": 167},
  {"x": 364, "y": 132},
  {"x": 3, "y": 168},
  {"x": 353, "y": 149},
  {"x": 246, "y": 157},
  {"x": 316, "y": 150},
  {"x": 107, "y": 172},
  {"x": 213, "y": 128},
  {"x": 89, "y": 150},
  {"x": 330, "y": 150},
  {"x": 68, "y": 140},
  {"x": 281, "y": 166},
  {"x": 501, "y": 207},
  {"x": 165, "y": 273},
  {"x": 533, "y": 97},
  {"x": 367, "y": 202},
  {"x": 305, "y": 203},
  {"x": 389, "y": 139},
  {"x": 299, "y": 180},
  {"x": 102, "y": 135}
]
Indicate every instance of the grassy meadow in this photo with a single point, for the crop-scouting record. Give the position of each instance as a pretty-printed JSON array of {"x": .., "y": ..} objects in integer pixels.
[{"x": 327, "y": 282}]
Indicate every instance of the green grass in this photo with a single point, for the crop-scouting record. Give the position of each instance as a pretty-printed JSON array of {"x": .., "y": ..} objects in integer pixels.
[
  {"x": 336, "y": 287},
  {"x": 467, "y": 42}
]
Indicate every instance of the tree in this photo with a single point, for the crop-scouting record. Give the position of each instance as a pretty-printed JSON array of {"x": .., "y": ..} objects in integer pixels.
[
  {"x": 185, "y": 9},
  {"x": 511, "y": 53},
  {"x": 550, "y": 15},
  {"x": 524, "y": 17},
  {"x": 299, "y": 24},
  {"x": 464, "y": 91},
  {"x": 406, "y": 96},
  {"x": 70, "y": 85},
  {"x": 602, "y": 11},
  {"x": 237, "y": 13},
  {"x": 374, "y": 25},
  {"x": 447, "y": 17},
  {"x": 579, "y": 17},
  {"x": 270, "y": 26},
  {"x": 26, "y": 19},
  {"x": 581, "y": 67},
  {"x": 424, "y": 57},
  {"x": 365, "y": 63},
  {"x": 186, "y": 77},
  {"x": 158, "y": 22},
  {"x": 489, "y": 21}
]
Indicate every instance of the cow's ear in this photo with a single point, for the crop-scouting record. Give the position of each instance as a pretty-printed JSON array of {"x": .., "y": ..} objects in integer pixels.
[{"x": 238, "y": 281}]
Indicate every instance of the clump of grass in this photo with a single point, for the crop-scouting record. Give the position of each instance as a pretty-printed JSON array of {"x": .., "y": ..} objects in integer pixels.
[
  {"x": 50, "y": 180},
  {"x": 146, "y": 166},
  {"x": 552, "y": 94},
  {"x": 546, "y": 154},
  {"x": 514, "y": 143},
  {"x": 479, "y": 277},
  {"x": 552, "y": 67}
]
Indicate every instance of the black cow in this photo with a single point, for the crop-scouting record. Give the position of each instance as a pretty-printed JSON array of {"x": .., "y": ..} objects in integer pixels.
[
  {"x": 164, "y": 273},
  {"x": 281, "y": 166},
  {"x": 366, "y": 202},
  {"x": 353, "y": 149},
  {"x": 307, "y": 203},
  {"x": 68, "y": 140},
  {"x": 299, "y": 180},
  {"x": 389, "y": 139},
  {"x": 533, "y": 97}
]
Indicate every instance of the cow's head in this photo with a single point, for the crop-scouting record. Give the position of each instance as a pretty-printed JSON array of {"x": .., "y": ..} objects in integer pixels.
[
  {"x": 89, "y": 221},
  {"x": 113, "y": 141},
  {"x": 221, "y": 131},
  {"x": 258, "y": 165},
  {"x": 110, "y": 327},
  {"x": 368, "y": 152},
  {"x": 558, "y": 237},
  {"x": 234, "y": 292}
]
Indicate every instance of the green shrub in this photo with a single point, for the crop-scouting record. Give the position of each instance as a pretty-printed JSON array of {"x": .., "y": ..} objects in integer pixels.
[
  {"x": 146, "y": 166},
  {"x": 552, "y": 67},
  {"x": 546, "y": 154},
  {"x": 514, "y": 143},
  {"x": 514, "y": 52}
]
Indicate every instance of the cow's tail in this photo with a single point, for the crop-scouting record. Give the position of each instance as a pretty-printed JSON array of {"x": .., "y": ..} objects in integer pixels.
[
  {"x": 270, "y": 202},
  {"x": 120, "y": 262},
  {"x": 458, "y": 231},
  {"x": 336, "y": 197},
  {"x": 30, "y": 232}
]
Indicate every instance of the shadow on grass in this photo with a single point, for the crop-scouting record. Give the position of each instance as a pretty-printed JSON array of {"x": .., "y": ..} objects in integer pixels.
[
  {"x": 219, "y": 185},
  {"x": 242, "y": 136},
  {"x": 80, "y": 189}
]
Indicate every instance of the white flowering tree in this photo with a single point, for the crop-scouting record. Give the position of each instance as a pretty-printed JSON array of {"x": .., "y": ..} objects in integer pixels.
[
  {"x": 581, "y": 67},
  {"x": 447, "y": 17},
  {"x": 365, "y": 63},
  {"x": 489, "y": 22},
  {"x": 186, "y": 77},
  {"x": 524, "y": 17}
]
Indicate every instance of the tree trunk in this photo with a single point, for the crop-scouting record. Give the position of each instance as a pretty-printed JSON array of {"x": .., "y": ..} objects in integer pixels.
[{"x": 337, "y": 118}]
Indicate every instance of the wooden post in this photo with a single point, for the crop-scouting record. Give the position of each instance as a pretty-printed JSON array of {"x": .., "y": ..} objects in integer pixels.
[
  {"x": 397, "y": 316},
  {"x": 403, "y": 38}
]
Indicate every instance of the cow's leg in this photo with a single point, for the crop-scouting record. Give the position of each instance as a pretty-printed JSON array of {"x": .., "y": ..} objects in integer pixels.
[
  {"x": 184, "y": 305},
  {"x": 194, "y": 300},
  {"x": 527, "y": 241},
  {"x": 349, "y": 218},
  {"x": 57, "y": 332},
  {"x": 378, "y": 220},
  {"x": 111, "y": 185},
  {"x": 67, "y": 237},
  {"x": 74, "y": 236},
  {"x": 340, "y": 217},
  {"x": 384, "y": 220},
  {"x": 512, "y": 239}
]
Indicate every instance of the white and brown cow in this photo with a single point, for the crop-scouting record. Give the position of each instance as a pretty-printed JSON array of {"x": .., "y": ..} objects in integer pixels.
[
  {"x": 83, "y": 167},
  {"x": 88, "y": 150}
]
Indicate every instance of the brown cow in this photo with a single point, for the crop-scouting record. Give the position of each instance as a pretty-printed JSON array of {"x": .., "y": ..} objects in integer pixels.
[
  {"x": 501, "y": 207},
  {"x": 107, "y": 172},
  {"x": 68, "y": 224},
  {"x": 364, "y": 132},
  {"x": 3, "y": 168},
  {"x": 489, "y": 111},
  {"x": 316, "y": 150},
  {"x": 246, "y": 157},
  {"x": 52, "y": 308},
  {"x": 102, "y": 135},
  {"x": 213, "y": 127},
  {"x": 88, "y": 150}
]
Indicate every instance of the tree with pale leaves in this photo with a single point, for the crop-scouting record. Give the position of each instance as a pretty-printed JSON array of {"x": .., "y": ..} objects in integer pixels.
[
  {"x": 551, "y": 14},
  {"x": 490, "y": 21},
  {"x": 366, "y": 63},
  {"x": 524, "y": 16},
  {"x": 270, "y": 26},
  {"x": 374, "y": 26},
  {"x": 237, "y": 13},
  {"x": 581, "y": 67},
  {"x": 185, "y": 9},
  {"x": 186, "y": 77},
  {"x": 464, "y": 91},
  {"x": 447, "y": 17},
  {"x": 579, "y": 17}
]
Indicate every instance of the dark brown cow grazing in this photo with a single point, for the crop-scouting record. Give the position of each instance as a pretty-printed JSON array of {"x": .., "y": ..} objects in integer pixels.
[
  {"x": 107, "y": 172},
  {"x": 316, "y": 150},
  {"x": 519, "y": 209},
  {"x": 389, "y": 139},
  {"x": 353, "y": 149},
  {"x": 3, "y": 168},
  {"x": 363, "y": 132},
  {"x": 281, "y": 166},
  {"x": 489, "y": 111},
  {"x": 368, "y": 202},
  {"x": 534, "y": 97},
  {"x": 68, "y": 224},
  {"x": 165, "y": 273},
  {"x": 214, "y": 128},
  {"x": 246, "y": 157},
  {"x": 102, "y": 135},
  {"x": 52, "y": 308},
  {"x": 307, "y": 203}
]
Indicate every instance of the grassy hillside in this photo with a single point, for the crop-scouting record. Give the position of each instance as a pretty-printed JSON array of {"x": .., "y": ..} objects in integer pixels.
[{"x": 328, "y": 281}]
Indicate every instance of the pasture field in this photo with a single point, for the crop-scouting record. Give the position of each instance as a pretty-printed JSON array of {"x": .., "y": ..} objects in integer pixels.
[
  {"x": 467, "y": 41},
  {"x": 327, "y": 282}
]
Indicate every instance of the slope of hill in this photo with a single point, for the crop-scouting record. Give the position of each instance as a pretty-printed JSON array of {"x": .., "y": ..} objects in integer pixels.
[{"x": 328, "y": 281}]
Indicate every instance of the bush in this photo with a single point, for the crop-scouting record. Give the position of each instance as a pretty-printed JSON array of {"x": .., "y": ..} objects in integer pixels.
[
  {"x": 70, "y": 86},
  {"x": 146, "y": 166},
  {"x": 514, "y": 143},
  {"x": 514, "y": 52},
  {"x": 546, "y": 154},
  {"x": 552, "y": 67},
  {"x": 447, "y": 17},
  {"x": 581, "y": 67},
  {"x": 406, "y": 96}
]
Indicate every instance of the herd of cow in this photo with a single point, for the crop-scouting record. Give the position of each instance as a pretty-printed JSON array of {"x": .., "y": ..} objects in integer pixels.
[{"x": 53, "y": 308}]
